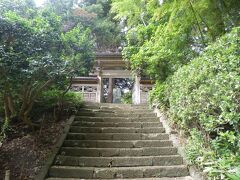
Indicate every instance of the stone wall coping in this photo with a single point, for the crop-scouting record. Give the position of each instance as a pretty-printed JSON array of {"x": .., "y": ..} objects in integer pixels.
[{"x": 44, "y": 170}]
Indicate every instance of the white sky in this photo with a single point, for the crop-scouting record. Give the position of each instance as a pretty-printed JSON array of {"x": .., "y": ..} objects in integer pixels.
[{"x": 39, "y": 2}]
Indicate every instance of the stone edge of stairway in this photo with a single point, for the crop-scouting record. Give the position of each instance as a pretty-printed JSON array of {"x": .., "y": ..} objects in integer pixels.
[
  {"x": 42, "y": 174},
  {"x": 176, "y": 140}
]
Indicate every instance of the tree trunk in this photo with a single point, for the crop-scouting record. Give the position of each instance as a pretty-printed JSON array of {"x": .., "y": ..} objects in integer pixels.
[
  {"x": 11, "y": 105},
  {"x": 60, "y": 103},
  {"x": 6, "y": 107},
  {"x": 29, "y": 97},
  {"x": 8, "y": 101}
]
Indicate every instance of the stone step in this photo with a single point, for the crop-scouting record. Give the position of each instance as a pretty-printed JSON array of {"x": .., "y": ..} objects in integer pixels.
[
  {"x": 110, "y": 152},
  {"x": 116, "y": 141},
  {"x": 118, "y": 172},
  {"x": 117, "y": 124},
  {"x": 107, "y": 110},
  {"x": 114, "y": 106},
  {"x": 116, "y": 119},
  {"x": 164, "y": 178},
  {"x": 116, "y": 144},
  {"x": 103, "y": 114},
  {"x": 119, "y": 161},
  {"x": 79, "y": 129},
  {"x": 117, "y": 136}
]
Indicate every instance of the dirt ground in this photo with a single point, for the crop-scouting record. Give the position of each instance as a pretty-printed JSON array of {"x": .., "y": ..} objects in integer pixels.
[{"x": 24, "y": 152}]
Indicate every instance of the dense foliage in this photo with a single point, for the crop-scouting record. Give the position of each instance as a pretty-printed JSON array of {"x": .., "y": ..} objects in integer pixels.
[
  {"x": 43, "y": 48},
  {"x": 37, "y": 54},
  {"x": 203, "y": 99},
  {"x": 164, "y": 35},
  {"x": 34, "y": 55},
  {"x": 197, "y": 78},
  {"x": 106, "y": 30},
  {"x": 93, "y": 14},
  {"x": 127, "y": 98}
]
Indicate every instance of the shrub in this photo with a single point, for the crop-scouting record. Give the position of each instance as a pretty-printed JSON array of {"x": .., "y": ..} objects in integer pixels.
[
  {"x": 74, "y": 101},
  {"x": 53, "y": 101},
  {"x": 205, "y": 95},
  {"x": 127, "y": 98},
  {"x": 158, "y": 95}
]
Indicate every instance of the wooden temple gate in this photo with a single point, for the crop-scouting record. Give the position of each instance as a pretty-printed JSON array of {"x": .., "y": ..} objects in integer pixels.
[{"x": 110, "y": 66}]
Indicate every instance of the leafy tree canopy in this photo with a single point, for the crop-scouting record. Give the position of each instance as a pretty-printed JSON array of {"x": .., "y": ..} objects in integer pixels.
[
  {"x": 163, "y": 35},
  {"x": 36, "y": 53},
  {"x": 91, "y": 14}
]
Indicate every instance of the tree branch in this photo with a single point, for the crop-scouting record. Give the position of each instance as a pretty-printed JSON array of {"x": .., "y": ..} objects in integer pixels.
[{"x": 198, "y": 24}]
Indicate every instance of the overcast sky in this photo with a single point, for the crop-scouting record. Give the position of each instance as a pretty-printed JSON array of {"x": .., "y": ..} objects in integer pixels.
[{"x": 39, "y": 2}]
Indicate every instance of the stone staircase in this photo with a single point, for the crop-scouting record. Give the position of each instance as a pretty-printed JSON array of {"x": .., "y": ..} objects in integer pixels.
[{"x": 109, "y": 141}]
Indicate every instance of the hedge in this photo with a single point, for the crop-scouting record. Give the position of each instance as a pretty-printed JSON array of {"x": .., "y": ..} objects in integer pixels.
[{"x": 203, "y": 98}]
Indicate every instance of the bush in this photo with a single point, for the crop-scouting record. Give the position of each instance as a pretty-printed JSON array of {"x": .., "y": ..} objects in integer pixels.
[
  {"x": 127, "y": 98},
  {"x": 74, "y": 101},
  {"x": 53, "y": 101},
  {"x": 158, "y": 95},
  {"x": 205, "y": 95}
]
